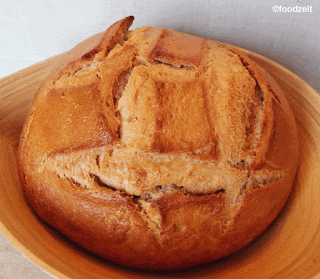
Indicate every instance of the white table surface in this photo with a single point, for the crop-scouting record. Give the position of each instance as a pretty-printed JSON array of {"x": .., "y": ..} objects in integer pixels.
[{"x": 34, "y": 30}]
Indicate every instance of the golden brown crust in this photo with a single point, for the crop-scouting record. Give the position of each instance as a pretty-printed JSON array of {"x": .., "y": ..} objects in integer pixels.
[{"x": 158, "y": 149}]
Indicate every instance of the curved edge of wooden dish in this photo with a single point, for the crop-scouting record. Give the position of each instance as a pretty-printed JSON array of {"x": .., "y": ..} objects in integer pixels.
[
  {"x": 297, "y": 227},
  {"x": 16, "y": 94}
]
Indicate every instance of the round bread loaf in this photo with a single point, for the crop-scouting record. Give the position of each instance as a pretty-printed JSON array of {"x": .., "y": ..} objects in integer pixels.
[{"x": 158, "y": 149}]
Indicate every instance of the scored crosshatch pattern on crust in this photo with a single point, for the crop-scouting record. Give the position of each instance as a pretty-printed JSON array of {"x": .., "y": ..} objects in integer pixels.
[
  {"x": 190, "y": 130},
  {"x": 152, "y": 112}
]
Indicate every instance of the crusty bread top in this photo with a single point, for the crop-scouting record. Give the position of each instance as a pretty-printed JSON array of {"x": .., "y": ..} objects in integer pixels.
[{"x": 155, "y": 111}]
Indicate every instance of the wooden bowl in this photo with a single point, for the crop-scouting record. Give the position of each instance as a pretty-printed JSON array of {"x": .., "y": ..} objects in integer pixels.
[{"x": 289, "y": 248}]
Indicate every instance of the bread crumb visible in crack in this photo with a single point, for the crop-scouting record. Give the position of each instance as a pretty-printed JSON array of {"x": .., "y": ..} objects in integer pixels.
[
  {"x": 120, "y": 85},
  {"x": 191, "y": 68},
  {"x": 86, "y": 67},
  {"x": 149, "y": 214},
  {"x": 98, "y": 158},
  {"x": 261, "y": 180}
]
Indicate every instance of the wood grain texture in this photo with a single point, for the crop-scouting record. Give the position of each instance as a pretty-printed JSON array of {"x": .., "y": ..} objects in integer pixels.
[{"x": 288, "y": 249}]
